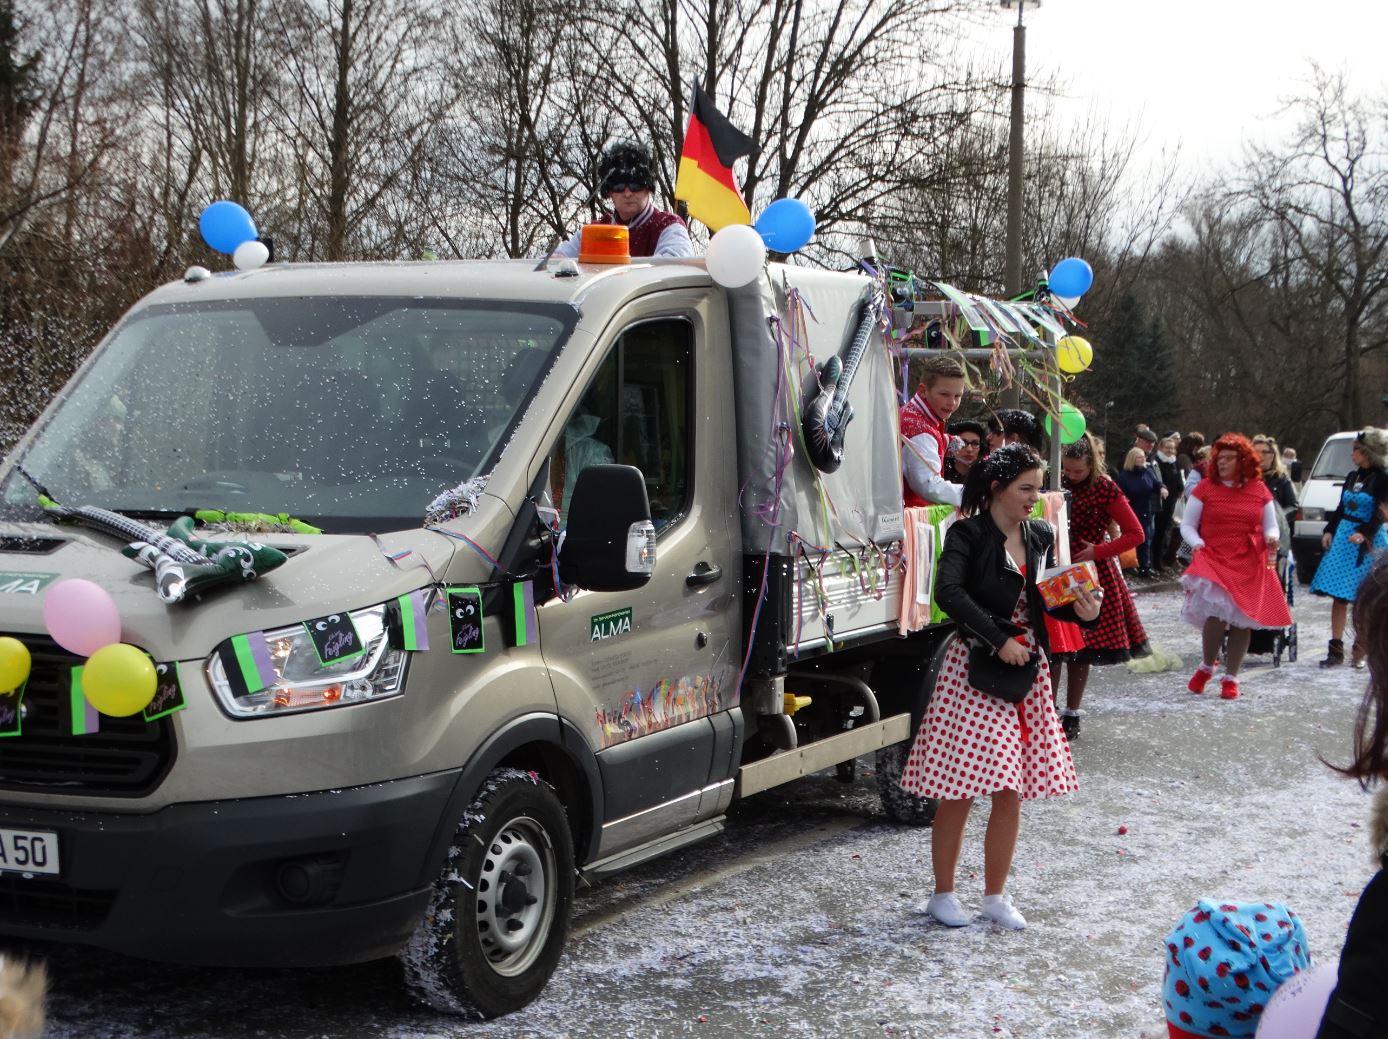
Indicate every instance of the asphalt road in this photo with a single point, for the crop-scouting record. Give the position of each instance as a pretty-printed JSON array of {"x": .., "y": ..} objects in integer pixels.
[{"x": 801, "y": 919}]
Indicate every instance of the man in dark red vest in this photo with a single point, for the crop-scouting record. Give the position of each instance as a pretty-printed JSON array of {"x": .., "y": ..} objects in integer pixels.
[{"x": 626, "y": 177}]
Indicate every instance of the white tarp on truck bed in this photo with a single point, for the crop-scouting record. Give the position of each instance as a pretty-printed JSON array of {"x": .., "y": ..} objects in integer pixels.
[{"x": 861, "y": 501}]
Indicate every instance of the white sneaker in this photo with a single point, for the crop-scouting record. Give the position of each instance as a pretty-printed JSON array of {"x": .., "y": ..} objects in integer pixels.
[
  {"x": 1000, "y": 910},
  {"x": 946, "y": 909}
]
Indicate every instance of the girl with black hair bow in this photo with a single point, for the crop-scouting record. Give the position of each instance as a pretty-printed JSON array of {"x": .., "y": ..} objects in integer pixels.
[{"x": 970, "y": 743}]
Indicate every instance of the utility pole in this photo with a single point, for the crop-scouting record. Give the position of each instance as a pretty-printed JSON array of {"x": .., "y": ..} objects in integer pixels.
[{"x": 1012, "y": 271}]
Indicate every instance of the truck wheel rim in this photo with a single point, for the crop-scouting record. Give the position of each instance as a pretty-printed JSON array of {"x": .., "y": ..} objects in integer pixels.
[{"x": 515, "y": 896}]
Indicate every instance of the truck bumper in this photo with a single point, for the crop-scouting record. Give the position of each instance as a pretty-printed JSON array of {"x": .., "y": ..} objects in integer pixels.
[{"x": 302, "y": 880}]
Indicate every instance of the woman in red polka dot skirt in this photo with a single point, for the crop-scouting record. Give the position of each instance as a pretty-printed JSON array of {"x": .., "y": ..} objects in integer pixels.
[
  {"x": 971, "y": 743},
  {"x": 1096, "y": 502}
]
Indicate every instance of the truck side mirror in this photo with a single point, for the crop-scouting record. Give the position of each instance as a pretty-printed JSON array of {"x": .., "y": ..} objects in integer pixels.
[{"x": 609, "y": 545}]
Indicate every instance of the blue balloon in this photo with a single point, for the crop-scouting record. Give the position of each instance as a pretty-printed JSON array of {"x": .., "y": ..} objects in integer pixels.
[
  {"x": 225, "y": 225},
  {"x": 1071, "y": 277},
  {"x": 786, "y": 225}
]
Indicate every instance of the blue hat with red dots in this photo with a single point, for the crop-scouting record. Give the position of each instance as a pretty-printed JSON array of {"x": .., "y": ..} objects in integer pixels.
[{"x": 1223, "y": 962}]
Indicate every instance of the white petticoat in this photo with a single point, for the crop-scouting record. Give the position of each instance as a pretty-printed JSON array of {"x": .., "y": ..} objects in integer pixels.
[{"x": 1205, "y": 599}]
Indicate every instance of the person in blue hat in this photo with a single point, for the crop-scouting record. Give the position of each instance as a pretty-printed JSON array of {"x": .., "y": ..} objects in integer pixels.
[{"x": 1224, "y": 960}]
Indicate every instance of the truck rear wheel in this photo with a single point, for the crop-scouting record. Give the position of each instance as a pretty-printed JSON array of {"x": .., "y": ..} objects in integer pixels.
[
  {"x": 911, "y": 680},
  {"x": 496, "y": 924},
  {"x": 900, "y": 806}
]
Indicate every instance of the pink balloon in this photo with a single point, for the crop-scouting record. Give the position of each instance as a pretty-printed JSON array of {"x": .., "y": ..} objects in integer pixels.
[
  {"x": 1296, "y": 1008},
  {"x": 81, "y": 616}
]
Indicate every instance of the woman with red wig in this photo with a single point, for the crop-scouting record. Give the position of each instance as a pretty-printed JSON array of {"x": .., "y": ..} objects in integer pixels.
[{"x": 1231, "y": 583}]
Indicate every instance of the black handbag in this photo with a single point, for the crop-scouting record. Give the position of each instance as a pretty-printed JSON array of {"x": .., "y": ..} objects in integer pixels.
[{"x": 989, "y": 673}]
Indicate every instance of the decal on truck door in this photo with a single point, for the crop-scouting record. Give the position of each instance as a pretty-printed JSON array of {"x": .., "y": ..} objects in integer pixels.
[{"x": 669, "y": 703}]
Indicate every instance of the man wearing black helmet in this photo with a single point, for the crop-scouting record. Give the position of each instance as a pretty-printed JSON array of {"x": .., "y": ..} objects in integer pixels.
[{"x": 626, "y": 177}]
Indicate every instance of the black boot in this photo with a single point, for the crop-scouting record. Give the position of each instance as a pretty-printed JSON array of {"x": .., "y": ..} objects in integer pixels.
[
  {"x": 1070, "y": 726},
  {"x": 1336, "y": 656}
]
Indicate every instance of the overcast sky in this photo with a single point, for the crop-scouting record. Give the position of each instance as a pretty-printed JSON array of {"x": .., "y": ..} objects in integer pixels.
[{"x": 1204, "y": 73}]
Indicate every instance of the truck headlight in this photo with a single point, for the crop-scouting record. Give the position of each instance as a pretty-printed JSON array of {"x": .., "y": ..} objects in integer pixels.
[
  {"x": 306, "y": 685},
  {"x": 1313, "y": 514}
]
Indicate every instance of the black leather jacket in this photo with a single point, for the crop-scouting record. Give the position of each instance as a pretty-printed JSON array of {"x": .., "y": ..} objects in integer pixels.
[{"x": 976, "y": 586}]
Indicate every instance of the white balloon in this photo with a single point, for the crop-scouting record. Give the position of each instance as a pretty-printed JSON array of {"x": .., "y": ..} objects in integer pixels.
[
  {"x": 1067, "y": 301},
  {"x": 250, "y": 255},
  {"x": 735, "y": 255}
]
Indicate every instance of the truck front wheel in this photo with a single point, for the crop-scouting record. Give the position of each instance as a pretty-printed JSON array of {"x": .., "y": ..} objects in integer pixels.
[{"x": 496, "y": 924}]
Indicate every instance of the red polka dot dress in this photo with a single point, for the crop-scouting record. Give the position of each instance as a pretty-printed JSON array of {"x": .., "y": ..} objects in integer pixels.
[
  {"x": 971, "y": 744},
  {"x": 1119, "y": 636}
]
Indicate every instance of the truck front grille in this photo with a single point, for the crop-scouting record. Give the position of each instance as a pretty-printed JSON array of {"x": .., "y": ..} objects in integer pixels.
[{"x": 128, "y": 757}]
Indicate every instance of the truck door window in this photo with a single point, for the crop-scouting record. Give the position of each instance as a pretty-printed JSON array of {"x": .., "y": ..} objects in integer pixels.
[{"x": 636, "y": 412}]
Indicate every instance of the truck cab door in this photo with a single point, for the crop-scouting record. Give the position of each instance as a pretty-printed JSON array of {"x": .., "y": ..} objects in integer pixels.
[{"x": 651, "y": 674}]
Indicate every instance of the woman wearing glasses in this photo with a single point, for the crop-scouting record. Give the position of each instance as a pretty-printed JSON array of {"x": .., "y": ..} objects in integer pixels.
[
  {"x": 1096, "y": 503},
  {"x": 1231, "y": 586},
  {"x": 1275, "y": 476},
  {"x": 967, "y": 440}
]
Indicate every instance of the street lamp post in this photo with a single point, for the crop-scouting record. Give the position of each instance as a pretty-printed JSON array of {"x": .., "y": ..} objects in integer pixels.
[
  {"x": 1012, "y": 268},
  {"x": 1012, "y": 275}
]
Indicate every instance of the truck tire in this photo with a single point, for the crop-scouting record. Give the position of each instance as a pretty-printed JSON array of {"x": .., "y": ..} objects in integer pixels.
[
  {"x": 496, "y": 923},
  {"x": 901, "y": 807},
  {"x": 915, "y": 679}
]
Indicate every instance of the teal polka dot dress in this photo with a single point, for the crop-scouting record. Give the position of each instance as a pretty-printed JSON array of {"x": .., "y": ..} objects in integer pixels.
[{"x": 1345, "y": 564}]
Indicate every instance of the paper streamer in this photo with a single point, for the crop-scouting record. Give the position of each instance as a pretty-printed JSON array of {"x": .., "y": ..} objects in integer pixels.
[
  {"x": 414, "y": 629},
  {"x": 523, "y": 600},
  {"x": 86, "y": 719},
  {"x": 246, "y": 661}
]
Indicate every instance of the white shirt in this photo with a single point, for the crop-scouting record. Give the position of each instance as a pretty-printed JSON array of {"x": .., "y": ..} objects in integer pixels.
[
  {"x": 921, "y": 465},
  {"x": 673, "y": 241}
]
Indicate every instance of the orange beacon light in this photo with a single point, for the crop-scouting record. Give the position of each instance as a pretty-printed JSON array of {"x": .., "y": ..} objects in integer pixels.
[{"x": 604, "y": 243}]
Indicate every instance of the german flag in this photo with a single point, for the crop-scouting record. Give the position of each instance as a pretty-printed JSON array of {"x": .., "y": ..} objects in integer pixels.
[{"x": 705, "y": 180}]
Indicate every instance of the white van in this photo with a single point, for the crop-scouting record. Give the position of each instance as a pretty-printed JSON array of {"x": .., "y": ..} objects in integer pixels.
[{"x": 1320, "y": 495}]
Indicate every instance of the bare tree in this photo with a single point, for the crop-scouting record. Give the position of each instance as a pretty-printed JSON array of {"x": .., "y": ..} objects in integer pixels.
[
  {"x": 61, "y": 251},
  {"x": 18, "y": 93},
  {"x": 215, "y": 63},
  {"x": 62, "y": 130},
  {"x": 361, "y": 101},
  {"x": 512, "y": 161},
  {"x": 1327, "y": 194}
]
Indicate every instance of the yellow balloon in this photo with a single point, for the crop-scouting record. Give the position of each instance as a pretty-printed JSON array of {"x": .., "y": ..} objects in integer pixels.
[
  {"x": 14, "y": 664},
  {"x": 1073, "y": 354},
  {"x": 119, "y": 680}
]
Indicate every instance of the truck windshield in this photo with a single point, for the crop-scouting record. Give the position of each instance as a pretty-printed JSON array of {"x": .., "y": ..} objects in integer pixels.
[
  {"x": 1334, "y": 460},
  {"x": 349, "y": 413}
]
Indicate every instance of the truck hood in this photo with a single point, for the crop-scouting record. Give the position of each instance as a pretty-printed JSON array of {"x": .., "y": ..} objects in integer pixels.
[{"x": 324, "y": 574}]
